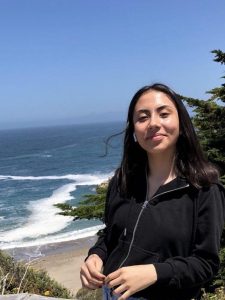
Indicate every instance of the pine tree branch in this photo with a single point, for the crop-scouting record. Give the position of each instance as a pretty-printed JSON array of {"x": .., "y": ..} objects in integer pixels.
[{"x": 219, "y": 56}]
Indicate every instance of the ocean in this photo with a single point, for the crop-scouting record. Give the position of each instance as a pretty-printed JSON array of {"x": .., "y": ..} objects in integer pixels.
[{"x": 40, "y": 167}]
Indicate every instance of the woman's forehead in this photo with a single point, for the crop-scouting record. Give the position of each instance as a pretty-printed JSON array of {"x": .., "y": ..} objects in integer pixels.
[{"x": 153, "y": 100}]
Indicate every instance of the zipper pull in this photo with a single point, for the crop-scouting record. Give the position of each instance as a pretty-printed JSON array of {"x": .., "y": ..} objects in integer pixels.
[
  {"x": 145, "y": 204},
  {"x": 125, "y": 232}
]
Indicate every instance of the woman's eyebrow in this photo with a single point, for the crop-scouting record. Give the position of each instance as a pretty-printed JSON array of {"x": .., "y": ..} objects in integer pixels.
[
  {"x": 164, "y": 107},
  {"x": 146, "y": 111},
  {"x": 159, "y": 108}
]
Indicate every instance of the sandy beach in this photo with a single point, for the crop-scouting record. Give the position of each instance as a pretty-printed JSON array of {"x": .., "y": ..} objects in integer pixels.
[
  {"x": 62, "y": 261},
  {"x": 64, "y": 267}
]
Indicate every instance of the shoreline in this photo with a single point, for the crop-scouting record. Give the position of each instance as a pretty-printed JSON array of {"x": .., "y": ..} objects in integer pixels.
[
  {"x": 62, "y": 261},
  {"x": 37, "y": 252}
]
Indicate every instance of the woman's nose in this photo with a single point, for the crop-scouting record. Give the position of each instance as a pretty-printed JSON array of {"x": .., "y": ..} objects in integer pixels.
[{"x": 153, "y": 122}]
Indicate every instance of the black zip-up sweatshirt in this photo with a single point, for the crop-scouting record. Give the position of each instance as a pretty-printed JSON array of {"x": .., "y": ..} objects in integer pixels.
[{"x": 178, "y": 231}]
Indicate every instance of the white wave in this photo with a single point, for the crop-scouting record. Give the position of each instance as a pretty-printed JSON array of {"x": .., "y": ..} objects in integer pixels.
[
  {"x": 44, "y": 219},
  {"x": 45, "y": 155},
  {"x": 79, "y": 178},
  {"x": 64, "y": 237}
]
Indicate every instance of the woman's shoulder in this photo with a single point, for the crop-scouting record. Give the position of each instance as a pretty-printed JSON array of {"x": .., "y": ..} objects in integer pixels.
[
  {"x": 214, "y": 187},
  {"x": 210, "y": 193},
  {"x": 212, "y": 196}
]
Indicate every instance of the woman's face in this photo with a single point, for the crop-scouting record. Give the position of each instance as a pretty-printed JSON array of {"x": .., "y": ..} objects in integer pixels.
[{"x": 156, "y": 123}]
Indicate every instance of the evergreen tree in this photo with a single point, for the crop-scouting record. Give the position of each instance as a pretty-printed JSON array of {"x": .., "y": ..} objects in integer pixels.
[
  {"x": 91, "y": 207},
  {"x": 209, "y": 121}
]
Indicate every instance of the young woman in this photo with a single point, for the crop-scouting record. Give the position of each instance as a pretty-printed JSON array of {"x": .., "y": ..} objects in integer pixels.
[{"x": 164, "y": 209}]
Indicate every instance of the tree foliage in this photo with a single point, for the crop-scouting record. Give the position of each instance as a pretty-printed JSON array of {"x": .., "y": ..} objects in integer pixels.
[
  {"x": 91, "y": 207},
  {"x": 209, "y": 121}
]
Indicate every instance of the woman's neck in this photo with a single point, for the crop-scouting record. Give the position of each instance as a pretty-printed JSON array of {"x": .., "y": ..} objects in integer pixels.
[
  {"x": 162, "y": 168},
  {"x": 162, "y": 171}
]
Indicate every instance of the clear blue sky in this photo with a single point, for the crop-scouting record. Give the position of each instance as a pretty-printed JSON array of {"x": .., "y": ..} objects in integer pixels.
[{"x": 65, "y": 61}]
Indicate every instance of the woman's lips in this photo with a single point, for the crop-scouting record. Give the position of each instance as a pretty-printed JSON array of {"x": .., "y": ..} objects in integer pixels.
[{"x": 155, "y": 137}]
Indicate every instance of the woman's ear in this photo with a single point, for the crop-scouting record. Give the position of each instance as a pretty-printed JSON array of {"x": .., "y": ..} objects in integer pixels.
[{"x": 134, "y": 136}]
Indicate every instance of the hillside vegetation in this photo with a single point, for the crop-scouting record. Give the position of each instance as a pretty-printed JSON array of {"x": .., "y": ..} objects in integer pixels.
[{"x": 18, "y": 277}]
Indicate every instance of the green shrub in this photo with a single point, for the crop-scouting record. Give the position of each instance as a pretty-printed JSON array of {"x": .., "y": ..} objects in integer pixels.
[
  {"x": 218, "y": 295},
  {"x": 17, "y": 277}
]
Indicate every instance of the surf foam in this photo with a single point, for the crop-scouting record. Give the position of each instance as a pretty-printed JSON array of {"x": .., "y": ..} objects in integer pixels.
[
  {"x": 63, "y": 237},
  {"x": 44, "y": 220}
]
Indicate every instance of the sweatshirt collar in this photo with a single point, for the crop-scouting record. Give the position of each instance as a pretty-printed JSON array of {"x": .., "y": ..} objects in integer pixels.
[
  {"x": 140, "y": 186},
  {"x": 175, "y": 184}
]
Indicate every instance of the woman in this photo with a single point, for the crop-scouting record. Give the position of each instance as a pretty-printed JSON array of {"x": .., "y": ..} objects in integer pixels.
[{"x": 164, "y": 209}]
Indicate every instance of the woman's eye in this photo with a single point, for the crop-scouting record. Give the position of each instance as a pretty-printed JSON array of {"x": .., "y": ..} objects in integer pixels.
[
  {"x": 164, "y": 115},
  {"x": 142, "y": 118}
]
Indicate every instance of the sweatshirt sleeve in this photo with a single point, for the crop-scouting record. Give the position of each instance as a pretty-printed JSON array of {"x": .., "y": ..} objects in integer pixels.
[
  {"x": 100, "y": 247},
  {"x": 203, "y": 263}
]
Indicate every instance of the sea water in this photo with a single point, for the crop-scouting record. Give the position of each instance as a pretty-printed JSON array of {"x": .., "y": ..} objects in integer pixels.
[{"x": 40, "y": 167}]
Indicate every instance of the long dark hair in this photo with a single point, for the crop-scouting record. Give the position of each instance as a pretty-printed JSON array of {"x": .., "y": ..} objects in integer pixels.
[{"x": 190, "y": 162}]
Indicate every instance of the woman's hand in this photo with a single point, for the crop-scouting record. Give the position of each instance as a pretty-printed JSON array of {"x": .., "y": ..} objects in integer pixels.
[
  {"x": 90, "y": 272},
  {"x": 129, "y": 280}
]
